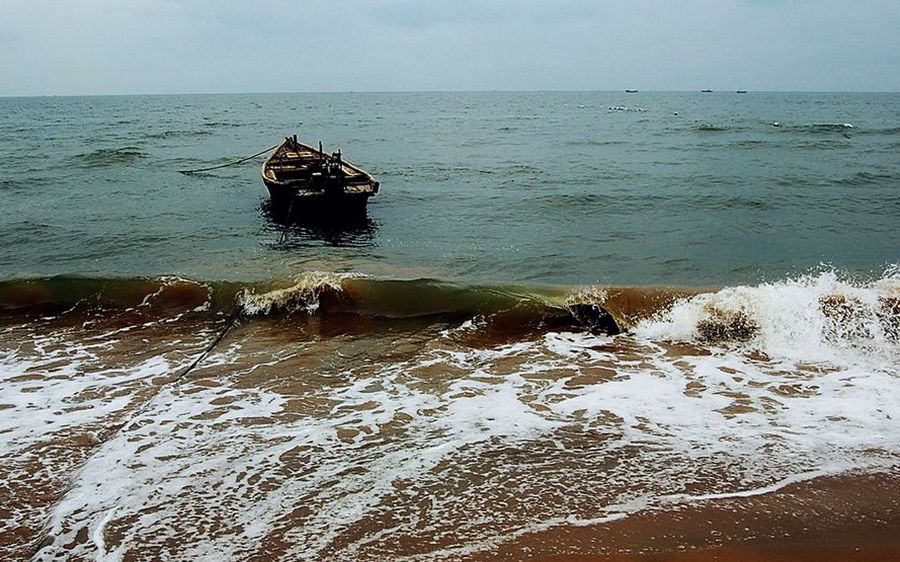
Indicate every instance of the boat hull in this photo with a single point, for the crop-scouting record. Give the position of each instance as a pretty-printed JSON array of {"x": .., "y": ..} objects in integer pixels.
[
  {"x": 297, "y": 202},
  {"x": 305, "y": 182}
]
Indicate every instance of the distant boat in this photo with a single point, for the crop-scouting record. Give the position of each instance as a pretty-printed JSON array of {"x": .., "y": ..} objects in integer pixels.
[
  {"x": 742, "y": 91},
  {"x": 301, "y": 179},
  {"x": 630, "y": 91},
  {"x": 706, "y": 91}
]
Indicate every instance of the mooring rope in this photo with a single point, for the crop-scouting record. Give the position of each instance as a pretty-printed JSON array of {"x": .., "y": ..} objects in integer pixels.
[
  {"x": 260, "y": 153},
  {"x": 233, "y": 321},
  {"x": 287, "y": 218},
  {"x": 44, "y": 538}
]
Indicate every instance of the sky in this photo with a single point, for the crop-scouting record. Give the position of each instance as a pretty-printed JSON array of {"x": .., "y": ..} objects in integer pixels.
[{"x": 72, "y": 47}]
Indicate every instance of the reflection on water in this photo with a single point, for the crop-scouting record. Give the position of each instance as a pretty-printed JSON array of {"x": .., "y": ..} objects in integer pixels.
[{"x": 296, "y": 230}]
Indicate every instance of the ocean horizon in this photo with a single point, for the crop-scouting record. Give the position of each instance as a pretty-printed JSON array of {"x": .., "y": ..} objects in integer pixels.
[{"x": 449, "y": 91}]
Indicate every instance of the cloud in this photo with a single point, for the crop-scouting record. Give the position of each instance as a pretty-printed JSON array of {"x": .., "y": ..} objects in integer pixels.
[{"x": 106, "y": 46}]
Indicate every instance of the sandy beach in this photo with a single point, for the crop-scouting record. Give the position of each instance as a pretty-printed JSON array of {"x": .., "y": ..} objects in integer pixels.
[{"x": 845, "y": 518}]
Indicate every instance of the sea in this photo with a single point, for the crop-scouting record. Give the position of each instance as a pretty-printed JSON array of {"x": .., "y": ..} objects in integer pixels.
[{"x": 185, "y": 377}]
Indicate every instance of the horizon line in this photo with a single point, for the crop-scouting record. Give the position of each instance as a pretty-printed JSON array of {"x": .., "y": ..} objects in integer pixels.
[{"x": 487, "y": 91}]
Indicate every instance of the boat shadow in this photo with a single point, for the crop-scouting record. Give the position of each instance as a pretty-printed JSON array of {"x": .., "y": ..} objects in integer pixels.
[{"x": 303, "y": 230}]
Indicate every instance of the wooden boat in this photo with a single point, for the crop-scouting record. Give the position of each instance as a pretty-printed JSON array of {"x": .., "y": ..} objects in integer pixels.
[{"x": 303, "y": 180}]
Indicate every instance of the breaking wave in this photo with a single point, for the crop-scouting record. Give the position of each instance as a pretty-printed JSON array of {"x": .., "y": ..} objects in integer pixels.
[
  {"x": 304, "y": 295},
  {"x": 819, "y": 315},
  {"x": 816, "y": 317}
]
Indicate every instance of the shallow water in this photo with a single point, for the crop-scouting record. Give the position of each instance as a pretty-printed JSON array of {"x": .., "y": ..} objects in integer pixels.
[{"x": 329, "y": 423}]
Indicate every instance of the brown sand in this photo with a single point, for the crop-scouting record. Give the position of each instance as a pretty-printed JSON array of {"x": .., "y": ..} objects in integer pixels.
[{"x": 851, "y": 518}]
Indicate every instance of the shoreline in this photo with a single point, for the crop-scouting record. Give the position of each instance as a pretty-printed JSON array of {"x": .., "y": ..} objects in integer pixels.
[{"x": 850, "y": 517}]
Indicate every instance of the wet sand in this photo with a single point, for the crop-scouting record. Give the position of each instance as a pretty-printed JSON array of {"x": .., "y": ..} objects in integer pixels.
[
  {"x": 846, "y": 518},
  {"x": 313, "y": 432}
]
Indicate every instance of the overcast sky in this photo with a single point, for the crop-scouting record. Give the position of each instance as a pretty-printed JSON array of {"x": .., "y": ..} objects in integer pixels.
[{"x": 162, "y": 46}]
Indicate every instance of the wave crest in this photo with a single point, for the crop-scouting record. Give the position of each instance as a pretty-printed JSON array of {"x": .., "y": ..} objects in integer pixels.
[
  {"x": 304, "y": 295},
  {"x": 816, "y": 317}
]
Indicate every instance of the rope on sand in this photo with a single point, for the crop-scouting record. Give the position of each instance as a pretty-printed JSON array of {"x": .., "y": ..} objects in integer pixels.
[{"x": 45, "y": 538}]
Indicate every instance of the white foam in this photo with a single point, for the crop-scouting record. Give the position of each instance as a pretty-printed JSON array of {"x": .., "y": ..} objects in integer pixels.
[
  {"x": 99, "y": 542},
  {"x": 66, "y": 394},
  {"x": 493, "y": 410},
  {"x": 790, "y": 319},
  {"x": 303, "y": 295},
  {"x": 167, "y": 282}
]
